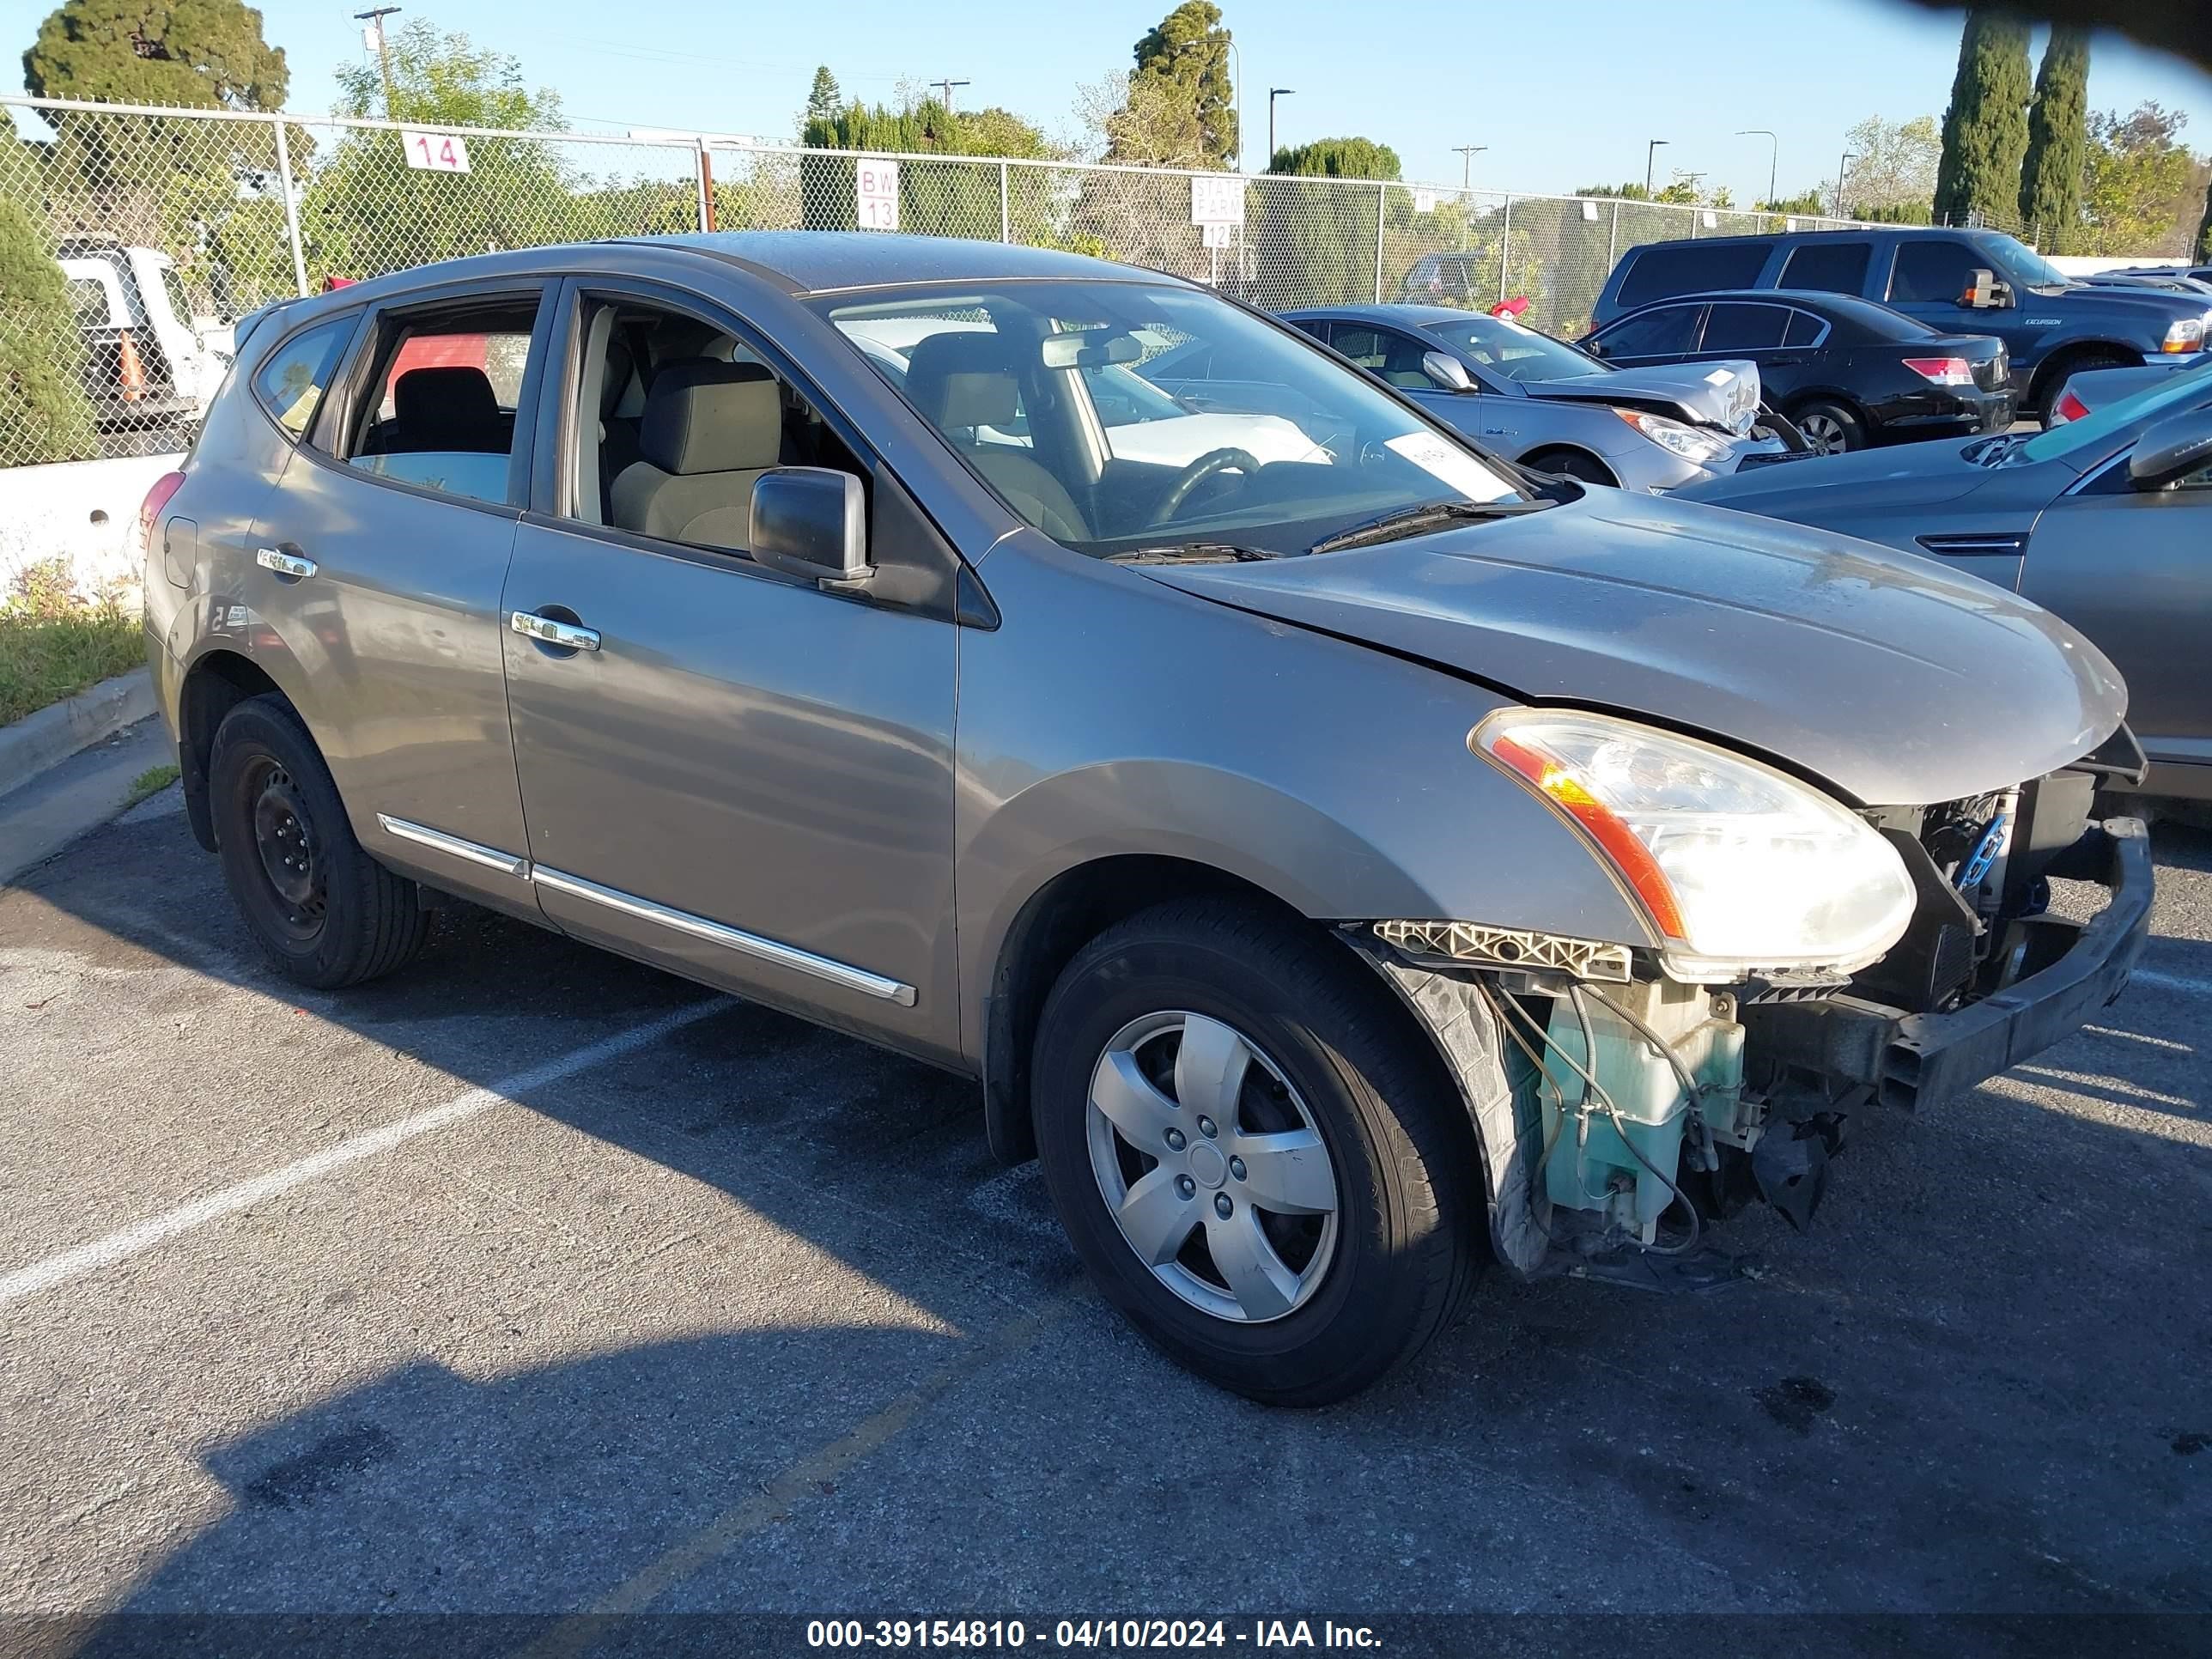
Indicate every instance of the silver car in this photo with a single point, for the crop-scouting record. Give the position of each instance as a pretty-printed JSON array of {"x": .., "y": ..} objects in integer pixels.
[
  {"x": 1341, "y": 862},
  {"x": 1554, "y": 408}
]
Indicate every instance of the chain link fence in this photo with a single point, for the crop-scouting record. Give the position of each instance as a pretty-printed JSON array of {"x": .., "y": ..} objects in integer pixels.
[{"x": 132, "y": 239}]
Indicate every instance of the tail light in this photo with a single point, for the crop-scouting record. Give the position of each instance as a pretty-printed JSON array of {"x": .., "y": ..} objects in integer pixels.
[
  {"x": 150, "y": 510},
  {"x": 2068, "y": 408},
  {"x": 1943, "y": 371}
]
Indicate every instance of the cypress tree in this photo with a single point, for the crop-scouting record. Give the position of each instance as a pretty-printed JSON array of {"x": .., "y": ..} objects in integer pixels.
[
  {"x": 1985, "y": 129},
  {"x": 2204, "y": 230},
  {"x": 2058, "y": 137}
]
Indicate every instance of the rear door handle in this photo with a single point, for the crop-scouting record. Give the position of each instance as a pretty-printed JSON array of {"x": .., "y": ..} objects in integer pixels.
[
  {"x": 285, "y": 564},
  {"x": 568, "y": 636}
]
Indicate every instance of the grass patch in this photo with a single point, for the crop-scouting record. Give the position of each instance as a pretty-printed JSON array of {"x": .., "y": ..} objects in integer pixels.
[
  {"x": 45, "y": 658},
  {"x": 151, "y": 781}
]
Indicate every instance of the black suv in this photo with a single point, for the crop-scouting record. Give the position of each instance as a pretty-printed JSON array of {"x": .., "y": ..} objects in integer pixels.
[{"x": 1958, "y": 282}]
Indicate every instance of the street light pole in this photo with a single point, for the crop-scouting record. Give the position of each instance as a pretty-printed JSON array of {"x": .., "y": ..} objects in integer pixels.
[
  {"x": 1650, "y": 155},
  {"x": 374, "y": 19},
  {"x": 1273, "y": 93},
  {"x": 1842, "y": 168},
  {"x": 1773, "y": 157}
]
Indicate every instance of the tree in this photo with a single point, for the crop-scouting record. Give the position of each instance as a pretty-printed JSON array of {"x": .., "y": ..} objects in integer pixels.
[
  {"x": 1682, "y": 192},
  {"x": 1337, "y": 158},
  {"x": 938, "y": 201},
  {"x": 43, "y": 413},
  {"x": 2058, "y": 137},
  {"x": 1985, "y": 129},
  {"x": 366, "y": 212},
  {"x": 1142, "y": 124},
  {"x": 824, "y": 100},
  {"x": 1893, "y": 168},
  {"x": 2141, "y": 184},
  {"x": 1809, "y": 205},
  {"x": 2204, "y": 229},
  {"x": 192, "y": 54},
  {"x": 1184, "y": 57}
]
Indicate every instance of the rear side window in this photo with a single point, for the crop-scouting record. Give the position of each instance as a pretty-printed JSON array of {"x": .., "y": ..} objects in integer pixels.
[
  {"x": 441, "y": 413},
  {"x": 290, "y": 381},
  {"x": 1805, "y": 329},
  {"x": 1745, "y": 328},
  {"x": 1667, "y": 269},
  {"x": 1828, "y": 267},
  {"x": 1667, "y": 332},
  {"x": 1933, "y": 271}
]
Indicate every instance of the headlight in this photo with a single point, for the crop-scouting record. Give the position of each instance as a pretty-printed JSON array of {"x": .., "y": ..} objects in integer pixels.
[
  {"x": 1739, "y": 866},
  {"x": 2188, "y": 334},
  {"x": 1687, "y": 442}
]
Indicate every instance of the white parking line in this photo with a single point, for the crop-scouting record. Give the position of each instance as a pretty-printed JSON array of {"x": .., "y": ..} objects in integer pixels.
[{"x": 91, "y": 1257}]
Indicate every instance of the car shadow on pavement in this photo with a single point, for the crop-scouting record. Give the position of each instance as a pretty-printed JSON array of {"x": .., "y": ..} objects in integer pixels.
[{"x": 1920, "y": 1405}]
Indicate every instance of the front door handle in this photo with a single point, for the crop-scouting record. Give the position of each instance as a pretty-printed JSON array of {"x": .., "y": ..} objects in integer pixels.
[
  {"x": 284, "y": 564},
  {"x": 546, "y": 631}
]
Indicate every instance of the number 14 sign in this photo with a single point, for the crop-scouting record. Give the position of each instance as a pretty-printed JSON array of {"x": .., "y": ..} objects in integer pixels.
[{"x": 435, "y": 152}]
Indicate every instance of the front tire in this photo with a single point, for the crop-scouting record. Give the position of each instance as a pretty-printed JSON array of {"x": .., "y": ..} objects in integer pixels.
[
  {"x": 325, "y": 913},
  {"x": 1258, "y": 1159}
]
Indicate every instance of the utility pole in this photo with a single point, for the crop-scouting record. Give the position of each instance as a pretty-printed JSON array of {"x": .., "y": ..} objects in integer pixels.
[
  {"x": 945, "y": 87},
  {"x": 1273, "y": 93},
  {"x": 1773, "y": 155},
  {"x": 1842, "y": 169},
  {"x": 374, "y": 19},
  {"x": 1650, "y": 155},
  {"x": 1467, "y": 153}
]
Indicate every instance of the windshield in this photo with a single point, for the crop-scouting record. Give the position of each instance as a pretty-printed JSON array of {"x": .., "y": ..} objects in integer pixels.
[
  {"x": 1514, "y": 353},
  {"x": 2017, "y": 262},
  {"x": 2185, "y": 391},
  {"x": 1122, "y": 416}
]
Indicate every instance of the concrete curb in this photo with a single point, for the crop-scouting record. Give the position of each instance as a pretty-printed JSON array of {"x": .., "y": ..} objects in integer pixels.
[{"x": 54, "y": 733}]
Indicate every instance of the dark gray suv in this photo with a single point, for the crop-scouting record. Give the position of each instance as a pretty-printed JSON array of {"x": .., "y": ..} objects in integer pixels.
[{"x": 1339, "y": 856}]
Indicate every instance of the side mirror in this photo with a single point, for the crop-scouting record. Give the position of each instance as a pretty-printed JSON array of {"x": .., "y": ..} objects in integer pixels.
[
  {"x": 1985, "y": 293},
  {"x": 2170, "y": 449},
  {"x": 811, "y": 522},
  {"x": 1446, "y": 371}
]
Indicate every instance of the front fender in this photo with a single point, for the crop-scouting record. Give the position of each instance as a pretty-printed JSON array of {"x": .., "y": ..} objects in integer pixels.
[{"x": 1130, "y": 718}]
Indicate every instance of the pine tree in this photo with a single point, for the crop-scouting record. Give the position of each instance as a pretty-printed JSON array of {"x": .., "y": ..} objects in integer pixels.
[
  {"x": 2057, "y": 137},
  {"x": 824, "y": 103},
  {"x": 1985, "y": 130},
  {"x": 1186, "y": 56}
]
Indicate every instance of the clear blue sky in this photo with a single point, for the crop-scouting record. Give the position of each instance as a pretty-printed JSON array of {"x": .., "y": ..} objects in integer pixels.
[{"x": 1564, "y": 93}]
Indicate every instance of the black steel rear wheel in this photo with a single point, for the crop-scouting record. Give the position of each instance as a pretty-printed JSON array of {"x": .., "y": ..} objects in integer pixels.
[{"x": 324, "y": 912}]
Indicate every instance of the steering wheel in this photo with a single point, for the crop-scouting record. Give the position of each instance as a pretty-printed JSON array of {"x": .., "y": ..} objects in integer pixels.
[{"x": 1213, "y": 461}]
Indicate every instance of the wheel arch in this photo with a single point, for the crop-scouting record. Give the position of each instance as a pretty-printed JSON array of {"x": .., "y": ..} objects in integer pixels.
[
  {"x": 2063, "y": 362},
  {"x": 217, "y": 682},
  {"x": 1535, "y": 458}
]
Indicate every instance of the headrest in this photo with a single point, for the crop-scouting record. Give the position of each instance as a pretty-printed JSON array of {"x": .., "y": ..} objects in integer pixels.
[
  {"x": 450, "y": 408},
  {"x": 615, "y": 377},
  {"x": 962, "y": 378},
  {"x": 705, "y": 415}
]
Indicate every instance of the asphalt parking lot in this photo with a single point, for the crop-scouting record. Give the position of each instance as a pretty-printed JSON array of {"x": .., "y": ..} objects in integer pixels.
[{"x": 533, "y": 1281}]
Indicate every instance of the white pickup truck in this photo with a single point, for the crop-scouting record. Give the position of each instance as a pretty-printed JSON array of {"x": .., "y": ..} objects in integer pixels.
[{"x": 148, "y": 361}]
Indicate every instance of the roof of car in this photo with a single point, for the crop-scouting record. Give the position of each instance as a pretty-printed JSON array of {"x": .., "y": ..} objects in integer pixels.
[
  {"x": 1386, "y": 314},
  {"x": 1837, "y": 231},
  {"x": 825, "y": 261}
]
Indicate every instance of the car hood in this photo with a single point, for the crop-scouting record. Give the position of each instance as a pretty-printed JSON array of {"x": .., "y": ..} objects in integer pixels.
[
  {"x": 1908, "y": 474},
  {"x": 1722, "y": 394},
  {"x": 1888, "y": 676},
  {"x": 2132, "y": 301}
]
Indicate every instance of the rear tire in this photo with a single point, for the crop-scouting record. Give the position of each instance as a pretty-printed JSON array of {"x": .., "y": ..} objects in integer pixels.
[
  {"x": 325, "y": 913},
  {"x": 2054, "y": 385},
  {"x": 1572, "y": 463},
  {"x": 1292, "y": 1271},
  {"x": 1830, "y": 427}
]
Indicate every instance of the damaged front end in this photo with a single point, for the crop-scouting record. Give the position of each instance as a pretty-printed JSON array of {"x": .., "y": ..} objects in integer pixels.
[{"x": 1627, "y": 1097}]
